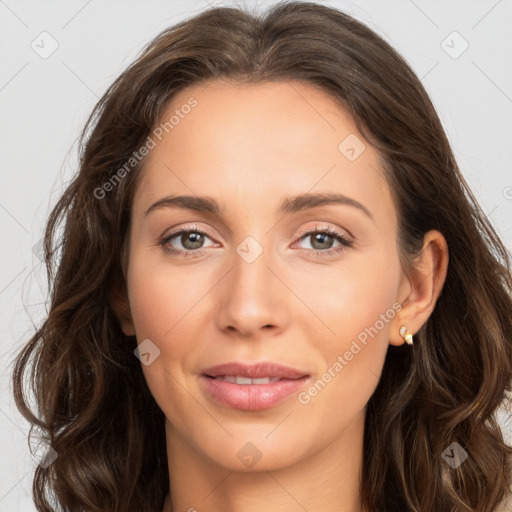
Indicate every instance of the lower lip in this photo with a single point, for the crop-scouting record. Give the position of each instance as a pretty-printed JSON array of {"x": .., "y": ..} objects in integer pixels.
[{"x": 252, "y": 397}]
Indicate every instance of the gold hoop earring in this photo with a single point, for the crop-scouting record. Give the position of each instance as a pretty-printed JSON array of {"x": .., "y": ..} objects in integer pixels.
[{"x": 406, "y": 335}]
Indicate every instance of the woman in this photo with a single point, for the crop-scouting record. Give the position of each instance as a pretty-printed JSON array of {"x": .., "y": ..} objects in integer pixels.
[{"x": 274, "y": 289}]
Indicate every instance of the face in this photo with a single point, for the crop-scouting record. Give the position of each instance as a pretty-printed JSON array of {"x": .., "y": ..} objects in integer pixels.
[{"x": 284, "y": 252}]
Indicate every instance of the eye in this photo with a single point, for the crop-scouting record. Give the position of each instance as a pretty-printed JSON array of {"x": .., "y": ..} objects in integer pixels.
[
  {"x": 191, "y": 241},
  {"x": 321, "y": 240}
]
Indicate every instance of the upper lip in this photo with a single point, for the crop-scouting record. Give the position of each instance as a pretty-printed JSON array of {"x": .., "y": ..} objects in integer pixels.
[{"x": 254, "y": 371}]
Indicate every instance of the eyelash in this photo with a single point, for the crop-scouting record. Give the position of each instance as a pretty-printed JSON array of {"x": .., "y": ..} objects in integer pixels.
[{"x": 344, "y": 241}]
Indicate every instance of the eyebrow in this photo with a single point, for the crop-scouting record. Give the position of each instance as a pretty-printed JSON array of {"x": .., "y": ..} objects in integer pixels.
[{"x": 289, "y": 205}]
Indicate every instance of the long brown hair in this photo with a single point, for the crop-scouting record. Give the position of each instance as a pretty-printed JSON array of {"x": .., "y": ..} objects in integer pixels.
[{"x": 93, "y": 403}]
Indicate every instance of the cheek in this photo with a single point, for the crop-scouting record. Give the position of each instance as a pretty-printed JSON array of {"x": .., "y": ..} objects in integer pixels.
[
  {"x": 162, "y": 312},
  {"x": 162, "y": 296},
  {"x": 358, "y": 307},
  {"x": 356, "y": 299},
  {"x": 165, "y": 304},
  {"x": 352, "y": 364}
]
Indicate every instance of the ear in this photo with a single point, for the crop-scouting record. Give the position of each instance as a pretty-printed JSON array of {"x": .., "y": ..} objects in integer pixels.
[
  {"x": 419, "y": 291},
  {"x": 121, "y": 306}
]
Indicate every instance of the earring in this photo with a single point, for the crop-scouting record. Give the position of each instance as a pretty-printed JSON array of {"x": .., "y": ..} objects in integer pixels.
[{"x": 406, "y": 335}]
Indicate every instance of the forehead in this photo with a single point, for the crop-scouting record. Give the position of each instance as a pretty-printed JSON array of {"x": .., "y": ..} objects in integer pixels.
[
  {"x": 259, "y": 141},
  {"x": 277, "y": 116}
]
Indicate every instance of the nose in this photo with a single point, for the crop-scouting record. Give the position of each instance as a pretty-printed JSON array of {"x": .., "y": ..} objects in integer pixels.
[{"x": 251, "y": 299}]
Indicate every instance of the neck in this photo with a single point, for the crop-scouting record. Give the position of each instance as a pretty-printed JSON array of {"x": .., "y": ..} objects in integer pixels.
[{"x": 327, "y": 481}]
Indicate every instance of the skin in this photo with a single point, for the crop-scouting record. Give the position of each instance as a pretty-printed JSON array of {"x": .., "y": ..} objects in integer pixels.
[{"x": 249, "y": 147}]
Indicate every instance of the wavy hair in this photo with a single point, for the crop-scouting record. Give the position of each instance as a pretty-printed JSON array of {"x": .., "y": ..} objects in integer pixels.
[{"x": 92, "y": 401}]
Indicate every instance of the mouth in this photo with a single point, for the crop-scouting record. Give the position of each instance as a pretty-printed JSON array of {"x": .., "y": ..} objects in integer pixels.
[
  {"x": 254, "y": 371},
  {"x": 252, "y": 387}
]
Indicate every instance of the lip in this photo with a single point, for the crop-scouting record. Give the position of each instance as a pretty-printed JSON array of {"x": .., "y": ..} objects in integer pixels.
[
  {"x": 252, "y": 397},
  {"x": 255, "y": 370}
]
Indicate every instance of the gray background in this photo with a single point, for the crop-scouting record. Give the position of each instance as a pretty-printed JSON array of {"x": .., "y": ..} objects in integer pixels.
[{"x": 45, "y": 100}]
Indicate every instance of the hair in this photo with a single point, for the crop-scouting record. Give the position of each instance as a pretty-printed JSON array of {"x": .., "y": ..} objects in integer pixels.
[{"x": 92, "y": 401}]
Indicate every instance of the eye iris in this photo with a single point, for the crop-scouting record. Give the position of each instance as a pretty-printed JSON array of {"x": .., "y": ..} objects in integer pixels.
[
  {"x": 196, "y": 240},
  {"x": 321, "y": 237}
]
